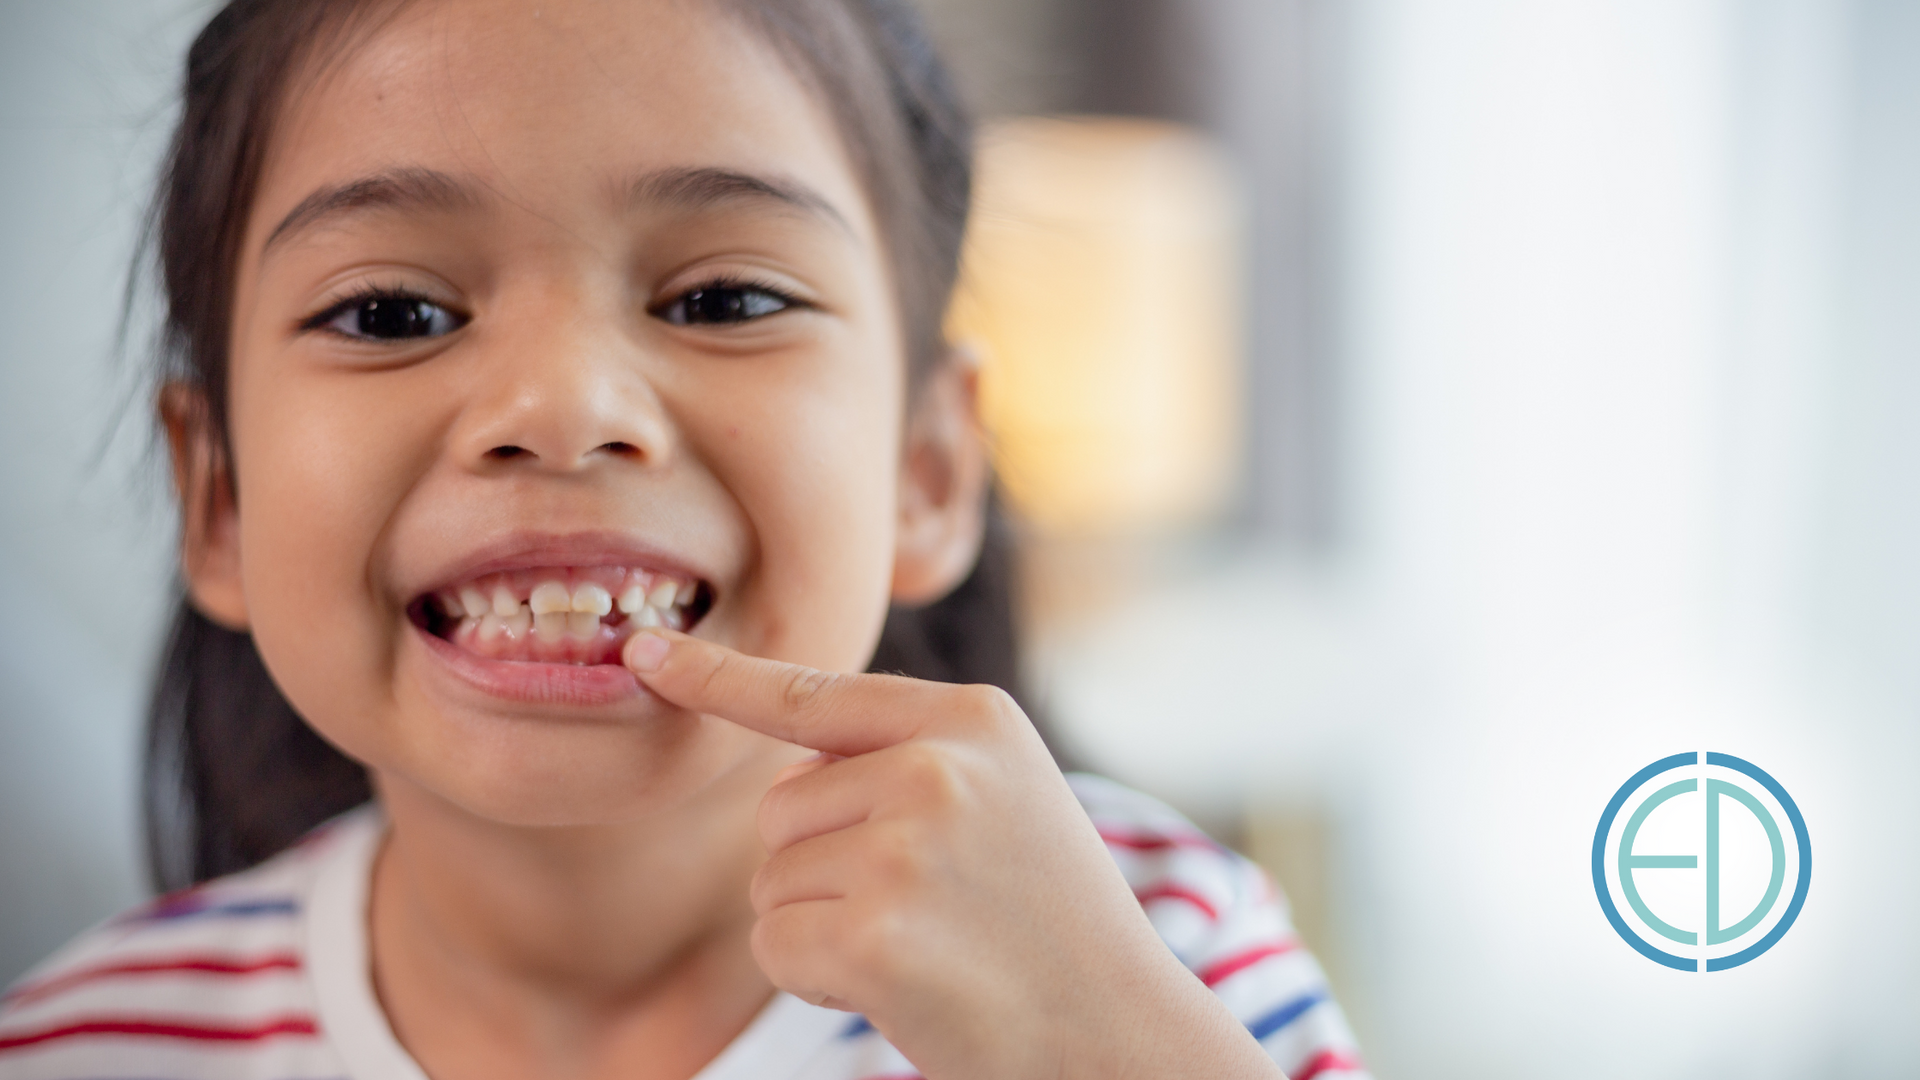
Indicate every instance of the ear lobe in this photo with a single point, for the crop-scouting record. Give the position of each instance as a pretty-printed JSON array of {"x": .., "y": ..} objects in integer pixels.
[
  {"x": 209, "y": 518},
  {"x": 943, "y": 485}
]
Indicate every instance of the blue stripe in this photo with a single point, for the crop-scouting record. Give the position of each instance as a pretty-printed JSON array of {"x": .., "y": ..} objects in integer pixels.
[
  {"x": 1286, "y": 1014},
  {"x": 237, "y": 909},
  {"x": 857, "y": 1028}
]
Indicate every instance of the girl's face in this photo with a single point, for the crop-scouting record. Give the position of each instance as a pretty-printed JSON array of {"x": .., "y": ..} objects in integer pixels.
[{"x": 553, "y": 320}]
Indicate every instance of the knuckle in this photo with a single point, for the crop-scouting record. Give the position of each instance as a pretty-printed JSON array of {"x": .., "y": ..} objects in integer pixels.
[
  {"x": 719, "y": 670},
  {"x": 771, "y": 942},
  {"x": 910, "y": 869},
  {"x": 772, "y": 819},
  {"x": 792, "y": 948},
  {"x": 992, "y": 706},
  {"x": 931, "y": 777},
  {"x": 899, "y": 856},
  {"x": 764, "y": 888},
  {"x": 930, "y": 773},
  {"x": 880, "y": 945},
  {"x": 806, "y": 687}
]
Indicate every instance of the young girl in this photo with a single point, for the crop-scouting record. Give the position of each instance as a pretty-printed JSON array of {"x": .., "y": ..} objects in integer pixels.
[{"x": 558, "y": 407}]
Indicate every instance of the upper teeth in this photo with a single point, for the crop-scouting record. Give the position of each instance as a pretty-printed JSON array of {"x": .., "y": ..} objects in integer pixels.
[
  {"x": 633, "y": 599},
  {"x": 592, "y": 598},
  {"x": 662, "y": 595},
  {"x": 550, "y": 597},
  {"x": 505, "y": 604},
  {"x": 473, "y": 602},
  {"x": 646, "y": 598}
]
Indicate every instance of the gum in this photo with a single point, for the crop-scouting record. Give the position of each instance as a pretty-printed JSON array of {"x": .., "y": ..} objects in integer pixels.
[{"x": 521, "y": 583}]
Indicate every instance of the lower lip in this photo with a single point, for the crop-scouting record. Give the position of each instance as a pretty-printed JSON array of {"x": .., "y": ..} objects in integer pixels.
[{"x": 539, "y": 684}]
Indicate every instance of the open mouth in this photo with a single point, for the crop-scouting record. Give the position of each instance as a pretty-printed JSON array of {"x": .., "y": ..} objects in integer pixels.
[{"x": 560, "y": 615}]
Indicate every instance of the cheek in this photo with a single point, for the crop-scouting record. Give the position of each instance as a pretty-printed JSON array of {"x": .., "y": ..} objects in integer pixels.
[
  {"x": 818, "y": 476},
  {"x": 319, "y": 476}
]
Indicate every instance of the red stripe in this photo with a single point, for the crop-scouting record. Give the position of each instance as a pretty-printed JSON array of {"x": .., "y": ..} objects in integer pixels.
[
  {"x": 1323, "y": 1061},
  {"x": 1167, "y": 890},
  {"x": 1138, "y": 841},
  {"x": 176, "y": 898},
  {"x": 162, "y": 1029},
  {"x": 1220, "y": 969},
  {"x": 202, "y": 965}
]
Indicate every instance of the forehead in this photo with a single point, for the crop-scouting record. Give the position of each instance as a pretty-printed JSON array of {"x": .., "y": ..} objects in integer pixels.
[{"x": 552, "y": 106}]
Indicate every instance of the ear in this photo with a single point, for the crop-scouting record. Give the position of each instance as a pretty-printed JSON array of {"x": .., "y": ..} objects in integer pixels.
[
  {"x": 943, "y": 484},
  {"x": 209, "y": 520}
]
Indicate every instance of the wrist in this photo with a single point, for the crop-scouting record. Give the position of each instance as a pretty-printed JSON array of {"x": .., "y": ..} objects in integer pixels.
[{"x": 1167, "y": 1026}]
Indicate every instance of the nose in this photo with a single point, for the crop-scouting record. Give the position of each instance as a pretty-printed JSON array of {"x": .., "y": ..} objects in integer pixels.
[{"x": 561, "y": 394}]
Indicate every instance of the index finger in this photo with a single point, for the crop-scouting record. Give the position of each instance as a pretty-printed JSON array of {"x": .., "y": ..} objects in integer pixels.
[{"x": 820, "y": 710}]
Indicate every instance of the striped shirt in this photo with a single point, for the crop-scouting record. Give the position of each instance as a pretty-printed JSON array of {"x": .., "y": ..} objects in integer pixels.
[{"x": 264, "y": 975}]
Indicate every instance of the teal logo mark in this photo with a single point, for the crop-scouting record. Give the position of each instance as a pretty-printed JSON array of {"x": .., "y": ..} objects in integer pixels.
[{"x": 1748, "y": 842}]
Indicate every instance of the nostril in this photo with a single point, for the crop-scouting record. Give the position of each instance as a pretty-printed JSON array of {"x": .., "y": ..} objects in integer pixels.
[
  {"x": 503, "y": 453},
  {"x": 621, "y": 449}
]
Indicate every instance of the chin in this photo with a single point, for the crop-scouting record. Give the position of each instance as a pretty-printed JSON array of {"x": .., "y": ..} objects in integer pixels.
[{"x": 540, "y": 772}]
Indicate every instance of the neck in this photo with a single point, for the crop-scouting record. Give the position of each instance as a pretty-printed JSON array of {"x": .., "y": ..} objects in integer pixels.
[{"x": 568, "y": 950}]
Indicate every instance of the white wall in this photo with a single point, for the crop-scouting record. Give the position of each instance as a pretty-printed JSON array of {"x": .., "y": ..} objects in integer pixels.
[
  {"x": 1634, "y": 426},
  {"x": 1549, "y": 220},
  {"x": 83, "y": 545}
]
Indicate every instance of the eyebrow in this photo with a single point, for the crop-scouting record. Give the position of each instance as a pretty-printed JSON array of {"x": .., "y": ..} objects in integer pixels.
[
  {"x": 395, "y": 189},
  {"x": 700, "y": 188},
  {"x": 429, "y": 189}
]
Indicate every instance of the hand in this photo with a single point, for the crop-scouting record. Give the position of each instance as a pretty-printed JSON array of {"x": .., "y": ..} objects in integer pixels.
[{"x": 932, "y": 870}]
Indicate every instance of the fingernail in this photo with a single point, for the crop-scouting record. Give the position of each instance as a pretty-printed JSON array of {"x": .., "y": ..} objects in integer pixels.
[{"x": 647, "y": 652}]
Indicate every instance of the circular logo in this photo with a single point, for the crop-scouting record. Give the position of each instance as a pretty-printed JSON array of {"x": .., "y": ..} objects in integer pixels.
[{"x": 1726, "y": 821}]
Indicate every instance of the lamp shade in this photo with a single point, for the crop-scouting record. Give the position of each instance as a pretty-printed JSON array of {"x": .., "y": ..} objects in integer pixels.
[{"x": 1101, "y": 286}]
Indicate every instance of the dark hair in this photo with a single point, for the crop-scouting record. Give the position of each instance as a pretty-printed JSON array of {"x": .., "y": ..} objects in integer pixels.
[{"x": 233, "y": 774}]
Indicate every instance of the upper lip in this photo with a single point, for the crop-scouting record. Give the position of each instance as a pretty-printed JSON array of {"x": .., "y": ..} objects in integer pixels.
[{"x": 532, "y": 549}]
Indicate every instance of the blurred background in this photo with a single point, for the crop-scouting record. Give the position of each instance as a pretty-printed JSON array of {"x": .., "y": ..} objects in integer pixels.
[{"x": 1470, "y": 403}]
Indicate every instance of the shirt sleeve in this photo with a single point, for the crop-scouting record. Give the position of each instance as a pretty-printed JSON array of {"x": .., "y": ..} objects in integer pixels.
[{"x": 1224, "y": 919}]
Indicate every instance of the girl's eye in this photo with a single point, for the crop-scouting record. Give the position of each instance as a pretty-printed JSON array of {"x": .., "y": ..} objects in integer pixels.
[
  {"x": 388, "y": 317},
  {"x": 721, "y": 304}
]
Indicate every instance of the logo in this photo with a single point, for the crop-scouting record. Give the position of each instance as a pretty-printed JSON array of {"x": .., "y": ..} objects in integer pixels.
[{"x": 1701, "y": 861}]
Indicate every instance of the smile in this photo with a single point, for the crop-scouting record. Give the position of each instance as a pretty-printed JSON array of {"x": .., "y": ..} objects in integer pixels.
[{"x": 560, "y": 615}]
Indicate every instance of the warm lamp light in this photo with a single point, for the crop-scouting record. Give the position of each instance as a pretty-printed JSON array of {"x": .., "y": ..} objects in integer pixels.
[{"x": 1101, "y": 286}]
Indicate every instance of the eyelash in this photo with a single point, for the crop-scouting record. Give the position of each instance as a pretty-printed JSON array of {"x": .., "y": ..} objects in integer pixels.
[
  {"x": 367, "y": 293},
  {"x": 729, "y": 282},
  {"x": 370, "y": 292}
]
